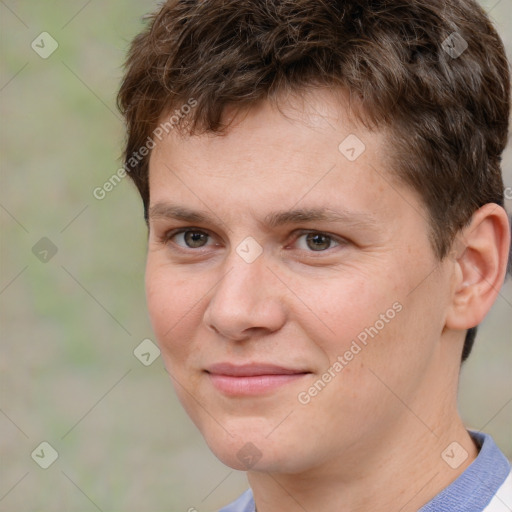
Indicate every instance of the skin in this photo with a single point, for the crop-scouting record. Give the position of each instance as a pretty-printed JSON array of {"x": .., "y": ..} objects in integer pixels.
[{"x": 383, "y": 422}]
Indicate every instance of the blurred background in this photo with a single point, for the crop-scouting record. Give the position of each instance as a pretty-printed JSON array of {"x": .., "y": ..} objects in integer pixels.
[{"x": 72, "y": 296}]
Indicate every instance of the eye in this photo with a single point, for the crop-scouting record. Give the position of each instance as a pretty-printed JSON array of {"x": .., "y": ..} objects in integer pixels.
[
  {"x": 191, "y": 239},
  {"x": 316, "y": 241}
]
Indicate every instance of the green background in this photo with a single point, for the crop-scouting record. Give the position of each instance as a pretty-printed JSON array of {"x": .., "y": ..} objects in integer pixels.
[{"x": 69, "y": 326}]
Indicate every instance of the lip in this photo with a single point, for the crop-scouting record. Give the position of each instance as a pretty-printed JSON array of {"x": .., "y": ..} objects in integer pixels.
[{"x": 251, "y": 379}]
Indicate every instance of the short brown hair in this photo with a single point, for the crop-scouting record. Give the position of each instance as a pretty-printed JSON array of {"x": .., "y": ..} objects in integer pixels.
[{"x": 434, "y": 72}]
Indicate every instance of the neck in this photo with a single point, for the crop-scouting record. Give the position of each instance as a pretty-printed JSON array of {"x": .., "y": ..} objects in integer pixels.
[{"x": 402, "y": 472}]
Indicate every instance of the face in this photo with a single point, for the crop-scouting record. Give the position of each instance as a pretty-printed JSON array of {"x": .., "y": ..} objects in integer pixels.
[{"x": 292, "y": 286}]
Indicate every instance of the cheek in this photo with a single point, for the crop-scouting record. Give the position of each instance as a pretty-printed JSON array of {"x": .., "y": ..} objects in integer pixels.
[
  {"x": 173, "y": 304},
  {"x": 174, "y": 310},
  {"x": 367, "y": 331},
  {"x": 378, "y": 321},
  {"x": 346, "y": 307}
]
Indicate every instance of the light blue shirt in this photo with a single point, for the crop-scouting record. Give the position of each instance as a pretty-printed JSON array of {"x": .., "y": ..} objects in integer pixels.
[{"x": 485, "y": 485}]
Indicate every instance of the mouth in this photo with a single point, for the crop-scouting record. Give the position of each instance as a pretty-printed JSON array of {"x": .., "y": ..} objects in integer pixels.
[{"x": 251, "y": 379}]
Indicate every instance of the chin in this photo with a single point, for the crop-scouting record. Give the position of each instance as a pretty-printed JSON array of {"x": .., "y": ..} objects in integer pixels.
[{"x": 249, "y": 449}]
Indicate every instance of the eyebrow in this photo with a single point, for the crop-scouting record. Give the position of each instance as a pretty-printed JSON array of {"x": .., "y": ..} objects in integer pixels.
[{"x": 272, "y": 220}]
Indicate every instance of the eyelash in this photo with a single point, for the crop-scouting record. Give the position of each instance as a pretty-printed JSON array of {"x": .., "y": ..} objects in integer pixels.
[{"x": 167, "y": 238}]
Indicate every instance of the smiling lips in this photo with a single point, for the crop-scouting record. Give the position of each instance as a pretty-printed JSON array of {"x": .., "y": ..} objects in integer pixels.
[{"x": 251, "y": 379}]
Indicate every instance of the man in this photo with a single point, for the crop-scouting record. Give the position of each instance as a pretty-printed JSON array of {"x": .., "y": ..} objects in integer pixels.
[{"x": 322, "y": 186}]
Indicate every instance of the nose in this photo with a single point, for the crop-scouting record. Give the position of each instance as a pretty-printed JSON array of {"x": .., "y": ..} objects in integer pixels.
[{"x": 246, "y": 302}]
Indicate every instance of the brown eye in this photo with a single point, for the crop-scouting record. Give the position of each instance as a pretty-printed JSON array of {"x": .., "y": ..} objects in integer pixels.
[
  {"x": 195, "y": 239},
  {"x": 190, "y": 239},
  {"x": 318, "y": 241}
]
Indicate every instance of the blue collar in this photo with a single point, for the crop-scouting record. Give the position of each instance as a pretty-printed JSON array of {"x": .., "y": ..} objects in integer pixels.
[
  {"x": 470, "y": 492},
  {"x": 475, "y": 488}
]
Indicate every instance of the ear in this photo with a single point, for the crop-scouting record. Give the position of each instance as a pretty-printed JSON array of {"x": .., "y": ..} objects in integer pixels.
[{"x": 480, "y": 266}]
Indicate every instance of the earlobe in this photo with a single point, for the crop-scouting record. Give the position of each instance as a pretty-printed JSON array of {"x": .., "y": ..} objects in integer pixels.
[{"x": 480, "y": 266}]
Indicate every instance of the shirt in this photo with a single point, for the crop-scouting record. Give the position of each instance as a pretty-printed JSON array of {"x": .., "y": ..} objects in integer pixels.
[{"x": 485, "y": 485}]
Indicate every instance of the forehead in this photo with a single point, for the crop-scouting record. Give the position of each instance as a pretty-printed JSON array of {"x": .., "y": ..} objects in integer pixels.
[
  {"x": 310, "y": 124},
  {"x": 309, "y": 152}
]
